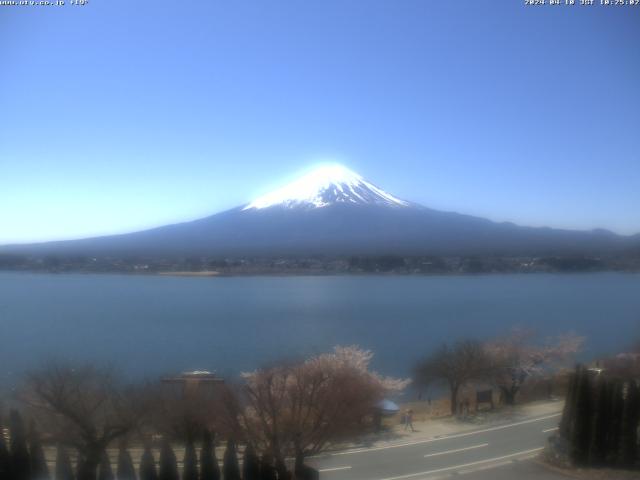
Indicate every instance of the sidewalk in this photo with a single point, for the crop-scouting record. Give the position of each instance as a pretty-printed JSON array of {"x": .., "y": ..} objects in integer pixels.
[{"x": 432, "y": 428}]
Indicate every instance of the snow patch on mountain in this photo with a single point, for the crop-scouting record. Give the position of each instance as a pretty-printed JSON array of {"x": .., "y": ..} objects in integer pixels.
[{"x": 324, "y": 186}]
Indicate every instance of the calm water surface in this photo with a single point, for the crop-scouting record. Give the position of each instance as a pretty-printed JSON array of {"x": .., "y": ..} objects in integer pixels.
[{"x": 149, "y": 324}]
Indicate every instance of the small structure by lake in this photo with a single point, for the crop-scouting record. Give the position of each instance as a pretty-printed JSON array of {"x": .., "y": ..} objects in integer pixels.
[{"x": 196, "y": 381}]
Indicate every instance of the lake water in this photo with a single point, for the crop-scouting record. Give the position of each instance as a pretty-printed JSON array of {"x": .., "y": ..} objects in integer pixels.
[{"x": 151, "y": 324}]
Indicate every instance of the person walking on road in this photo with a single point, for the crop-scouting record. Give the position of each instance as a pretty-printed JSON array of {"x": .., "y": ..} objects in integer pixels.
[{"x": 408, "y": 420}]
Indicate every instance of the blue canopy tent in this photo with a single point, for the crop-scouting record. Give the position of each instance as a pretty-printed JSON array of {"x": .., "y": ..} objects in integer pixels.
[{"x": 387, "y": 407}]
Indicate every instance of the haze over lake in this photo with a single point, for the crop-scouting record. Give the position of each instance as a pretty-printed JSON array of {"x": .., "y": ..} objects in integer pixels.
[{"x": 148, "y": 325}]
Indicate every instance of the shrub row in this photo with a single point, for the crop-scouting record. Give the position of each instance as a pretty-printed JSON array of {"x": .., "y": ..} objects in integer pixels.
[
  {"x": 601, "y": 419},
  {"x": 24, "y": 459}
]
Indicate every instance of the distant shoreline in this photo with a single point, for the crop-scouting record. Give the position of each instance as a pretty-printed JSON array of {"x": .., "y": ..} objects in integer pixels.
[
  {"x": 321, "y": 266},
  {"x": 217, "y": 274}
]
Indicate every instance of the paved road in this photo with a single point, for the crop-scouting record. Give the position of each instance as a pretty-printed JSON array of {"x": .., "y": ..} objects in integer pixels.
[{"x": 497, "y": 452}]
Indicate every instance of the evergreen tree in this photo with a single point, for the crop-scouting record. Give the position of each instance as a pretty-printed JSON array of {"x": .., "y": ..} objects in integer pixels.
[
  {"x": 168, "y": 463},
  {"x": 126, "y": 470},
  {"x": 250, "y": 464},
  {"x": 613, "y": 434},
  {"x": 148, "y": 465},
  {"x": 230, "y": 467},
  {"x": 38, "y": 467},
  {"x": 88, "y": 463},
  {"x": 601, "y": 420},
  {"x": 629, "y": 427},
  {"x": 190, "y": 462},
  {"x": 298, "y": 469},
  {"x": 267, "y": 470},
  {"x": 18, "y": 452},
  {"x": 581, "y": 434},
  {"x": 63, "y": 465},
  {"x": 281, "y": 469},
  {"x": 568, "y": 414},
  {"x": 104, "y": 470},
  {"x": 209, "y": 469},
  {"x": 80, "y": 467},
  {"x": 4, "y": 456},
  {"x": 635, "y": 419}
]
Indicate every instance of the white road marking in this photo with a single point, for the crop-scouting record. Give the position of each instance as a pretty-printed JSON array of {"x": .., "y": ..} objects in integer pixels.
[
  {"x": 464, "y": 465},
  {"x": 495, "y": 465},
  {"x": 447, "y": 437},
  {"x": 549, "y": 430},
  {"x": 484, "y": 467},
  {"x": 334, "y": 469},
  {"x": 456, "y": 450}
]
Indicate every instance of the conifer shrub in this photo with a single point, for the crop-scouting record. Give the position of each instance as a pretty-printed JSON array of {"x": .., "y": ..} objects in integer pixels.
[
  {"x": 601, "y": 419},
  {"x": 148, "y": 465},
  {"x": 63, "y": 470},
  {"x": 600, "y": 423},
  {"x": 190, "y": 462},
  {"x": 230, "y": 466},
  {"x": 168, "y": 463},
  {"x": 209, "y": 469},
  {"x": 105, "y": 472},
  {"x": 250, "y": 464},
  {"x": 4, "y": 456},
  {"x": 581, "y": 432},
  {"x": 19, "y": 459},
  {"x": 267, "y": 470},
  {"x": 126, "y": 470},
  {"x": 629, "y": 425},
  {"x": 38, "y": 467}
]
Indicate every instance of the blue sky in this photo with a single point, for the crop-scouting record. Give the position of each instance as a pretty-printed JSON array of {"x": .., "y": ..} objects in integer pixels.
[{"x": 123, "y": 115}]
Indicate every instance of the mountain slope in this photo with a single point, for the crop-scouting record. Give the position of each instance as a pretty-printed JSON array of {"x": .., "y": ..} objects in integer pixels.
[{"x": 333, "y": 211}]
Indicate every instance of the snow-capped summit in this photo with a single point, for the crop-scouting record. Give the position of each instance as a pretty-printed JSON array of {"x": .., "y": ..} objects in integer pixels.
[{"x": 324, "y": 186}]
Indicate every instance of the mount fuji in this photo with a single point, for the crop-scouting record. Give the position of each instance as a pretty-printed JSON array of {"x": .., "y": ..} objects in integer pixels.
[
  {"x": 326, "y": 186},
  {"x": 334, "y": 211}
]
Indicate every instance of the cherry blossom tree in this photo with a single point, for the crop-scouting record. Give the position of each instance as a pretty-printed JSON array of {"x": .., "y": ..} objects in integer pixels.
[{"x": 311, "y": 404}]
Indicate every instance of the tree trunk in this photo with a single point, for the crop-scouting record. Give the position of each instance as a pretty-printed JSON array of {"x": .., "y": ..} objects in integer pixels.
[
  {"x": 454, "y": 399},
  {"x": 509, "y": 395}
]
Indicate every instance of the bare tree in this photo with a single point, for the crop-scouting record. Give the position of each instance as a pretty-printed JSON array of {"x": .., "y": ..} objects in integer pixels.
[
  {"x": 455, "y": 365},
  {"x": 85, "y": 407},
  {"x": 623, "y": 366},
  {"x": 514, "y": 358},
  {"x": 313, "y": 403},
  {"x": 181, "y": 416},
  {"x": 185, "y": 414}
]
